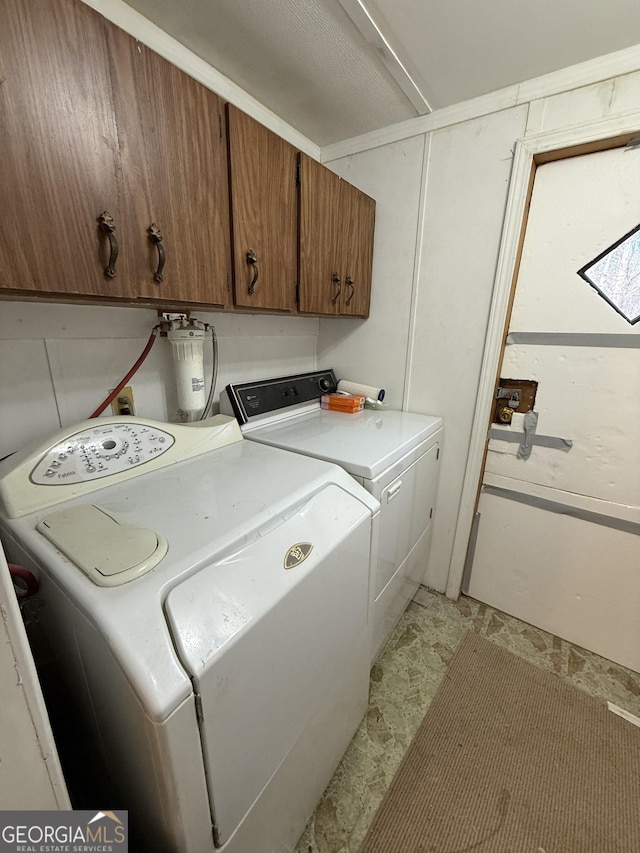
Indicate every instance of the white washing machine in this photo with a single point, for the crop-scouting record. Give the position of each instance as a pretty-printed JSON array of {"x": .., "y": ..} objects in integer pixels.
[
  {"x": 394, "y": 455},
  {"x": 205, "y": 601}
]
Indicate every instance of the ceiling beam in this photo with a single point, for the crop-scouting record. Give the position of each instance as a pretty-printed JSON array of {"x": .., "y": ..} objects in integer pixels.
[{"x": 360, "y": 16}]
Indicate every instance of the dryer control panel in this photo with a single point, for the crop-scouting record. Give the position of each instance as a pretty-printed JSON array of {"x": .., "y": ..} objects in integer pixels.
[{"x": 253, "y": 400}]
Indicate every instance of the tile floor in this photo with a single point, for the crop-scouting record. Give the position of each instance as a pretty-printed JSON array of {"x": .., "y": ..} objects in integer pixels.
[{"x": 403, "y": 682}]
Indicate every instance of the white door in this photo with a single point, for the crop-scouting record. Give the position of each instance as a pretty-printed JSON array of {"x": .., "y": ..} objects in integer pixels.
[{"x": 558, "y": 539}]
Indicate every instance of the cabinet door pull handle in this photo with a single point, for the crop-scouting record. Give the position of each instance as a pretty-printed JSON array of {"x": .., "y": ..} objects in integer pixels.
[
  {"x": 253, "y": 262},
  {"x": 394, "y": 490},
  {"x": 353, "y": 290},
  {"x": 107, "y": 225},
  {"x": 156, "y": 237},
  {"x": 335, "y": 278}
]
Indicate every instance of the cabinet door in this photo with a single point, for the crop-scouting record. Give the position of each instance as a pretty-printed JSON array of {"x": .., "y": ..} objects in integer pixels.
[
  {"x": 262, "y": 168},
  {"x": 174, "y": 161},
  {"x": 358, "y": 220},
  {"x": 59, "y": 150},
  {"x": 321, "y": 238}
]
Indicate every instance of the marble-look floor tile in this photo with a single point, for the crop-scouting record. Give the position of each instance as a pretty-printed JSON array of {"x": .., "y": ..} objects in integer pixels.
[{"x": 403, "y": 682}]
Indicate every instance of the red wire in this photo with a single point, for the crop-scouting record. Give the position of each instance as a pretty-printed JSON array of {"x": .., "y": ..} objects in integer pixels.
[{"x": 145, "y": 352}]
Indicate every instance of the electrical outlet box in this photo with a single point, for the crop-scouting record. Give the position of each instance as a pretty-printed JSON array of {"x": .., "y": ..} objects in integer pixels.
[{"x": 123, "y": 403}]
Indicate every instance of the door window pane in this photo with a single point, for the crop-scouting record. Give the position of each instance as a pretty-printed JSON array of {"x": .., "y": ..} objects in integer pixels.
[{"x": 615, "y": 274}]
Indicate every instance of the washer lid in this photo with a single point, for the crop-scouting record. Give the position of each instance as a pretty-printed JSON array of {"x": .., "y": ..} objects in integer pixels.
[
  {"x": 365, "y": 443},
  {"x": 109, "y": 551}
]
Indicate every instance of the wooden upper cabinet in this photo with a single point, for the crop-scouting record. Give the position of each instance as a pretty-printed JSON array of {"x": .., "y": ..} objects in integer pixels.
[
  {"x": 173, "y": 146},
  {"x": 58, "y": 151},
  {"x": 106, "y": 149},
  {"x": 320, "y": 238},
  {"x": 262, "y": 169},
  {"x": 336, "y": 243},
  {"x": 359, "y": 212}
]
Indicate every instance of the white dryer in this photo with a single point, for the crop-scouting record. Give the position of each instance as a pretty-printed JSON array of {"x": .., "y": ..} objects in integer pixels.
[
  {"x": 205, "y": 602},
  {"x": 393, "y": 454}
]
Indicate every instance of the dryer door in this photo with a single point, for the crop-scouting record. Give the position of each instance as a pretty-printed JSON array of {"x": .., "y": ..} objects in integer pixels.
[
  {"x": 407, "y": 496},
  {"x": 266, "y": 634}
]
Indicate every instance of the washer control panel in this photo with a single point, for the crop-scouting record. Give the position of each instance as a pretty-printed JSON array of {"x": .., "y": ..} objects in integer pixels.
[
  {"x": 94, "y": 454},
  {"x": 100, "y": 452}
]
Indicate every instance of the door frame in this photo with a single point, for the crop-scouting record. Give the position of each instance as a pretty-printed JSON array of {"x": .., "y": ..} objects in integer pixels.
[{"x": 530, "y": 152}]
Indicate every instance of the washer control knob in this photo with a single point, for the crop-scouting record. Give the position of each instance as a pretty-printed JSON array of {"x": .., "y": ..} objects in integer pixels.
[{"x": 325, "y": 383}]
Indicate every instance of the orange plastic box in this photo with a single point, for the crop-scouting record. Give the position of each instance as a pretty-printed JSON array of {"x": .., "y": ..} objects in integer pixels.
[{"x": 342, "y": 402}]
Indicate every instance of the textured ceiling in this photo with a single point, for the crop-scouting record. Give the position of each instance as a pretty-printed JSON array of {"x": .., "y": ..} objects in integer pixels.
[
  {"x": 304, "y": 59},
  {"x": 332, "y": 78}
]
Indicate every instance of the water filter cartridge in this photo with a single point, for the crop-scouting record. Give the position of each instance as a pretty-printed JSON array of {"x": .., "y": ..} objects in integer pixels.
[
  {"x": 188, "y": 354},
  {"x": 358, "y": 388}
]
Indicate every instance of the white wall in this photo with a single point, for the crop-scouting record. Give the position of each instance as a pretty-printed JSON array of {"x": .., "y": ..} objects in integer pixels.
[
  {"x": 457, "y": 230},
  {"x": 58, "y": 362}
]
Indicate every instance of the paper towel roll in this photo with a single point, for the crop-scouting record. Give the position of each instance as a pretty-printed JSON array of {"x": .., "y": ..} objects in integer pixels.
[{"x": 358, "y": 388}]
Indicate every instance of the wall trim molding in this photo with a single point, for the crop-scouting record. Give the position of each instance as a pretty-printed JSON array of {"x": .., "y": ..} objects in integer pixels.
[
  {"x": 132, "y": 22},
  {"x": 541, "y": 147},
  {"x": 556, "y": 83},
  {"x": 417, "y": 266}
]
